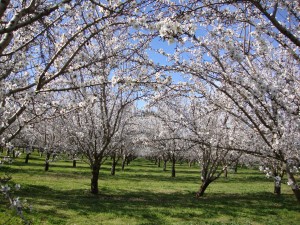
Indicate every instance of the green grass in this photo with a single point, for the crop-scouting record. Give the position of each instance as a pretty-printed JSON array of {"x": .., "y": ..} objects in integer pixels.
[{"x": 144, "y": 194}]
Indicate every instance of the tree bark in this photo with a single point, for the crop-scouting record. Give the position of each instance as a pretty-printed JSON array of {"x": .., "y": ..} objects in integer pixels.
[
  {"x": 123, "y": 163},
  {"x": 225, "y": 172},
  {"x": 236, "y": 166},
  {"x": 113, "y": 165},
  {"x": 27, "y": 158},
  {"x": 277, "y": 188},
  {"x": 202, "y": 189},
  {"x": 46, "y": 165},
  {"x": 74, "y": 163},
  {"x": 47, "y": 161},
  {"x": 296, "y": 193},
  {"x": 165, "y": 165},
  {"x": 95, "y": 177},
  {"x": 173, "y": 166},
  {"x": 294, "y": 185}
]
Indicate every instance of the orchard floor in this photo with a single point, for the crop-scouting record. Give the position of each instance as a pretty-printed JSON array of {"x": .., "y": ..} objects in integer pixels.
[{"x": 144, "y": 194}]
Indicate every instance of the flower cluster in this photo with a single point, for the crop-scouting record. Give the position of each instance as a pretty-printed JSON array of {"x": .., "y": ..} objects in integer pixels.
[{"x": 169, "y": 29}]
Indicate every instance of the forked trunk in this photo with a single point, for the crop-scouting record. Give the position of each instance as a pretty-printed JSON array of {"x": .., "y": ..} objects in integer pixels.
[
  {"x": 94, "y": 180},
  {"x": 202, "y": 189}
]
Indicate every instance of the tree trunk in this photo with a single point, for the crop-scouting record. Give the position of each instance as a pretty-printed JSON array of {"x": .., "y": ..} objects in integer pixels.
[
  {"x": 128, "y": 160},
  {"x": 113, "y": 165},
  {"x": 123, "y": 163},
  {"x": 74, "y": 163},
  {"x": 202, "y": 189},
  {"x": 158, "y": 163},
  {"x": 293, "y": 183},
  {"x": 94, "y": 180},
  {"x": 14, "y": 153},
  {"x": 113, "y": 169},
  {"x": 47, "y": 161},
  {"x": 27, "y": 158},
  {"x": 277, "y": 187},
  {"x": 297, "y": 193},
  {"x": 165, "y": 165},
  {"x": 236, "y": 166},
  {"x": 225, "y": 172},
  {"x": 173, "y": 166},
  {"x": 46, "y": 165}
]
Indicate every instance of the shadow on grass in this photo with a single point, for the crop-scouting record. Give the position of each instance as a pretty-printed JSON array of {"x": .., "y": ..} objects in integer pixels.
[{"x": 154, "y": 208}]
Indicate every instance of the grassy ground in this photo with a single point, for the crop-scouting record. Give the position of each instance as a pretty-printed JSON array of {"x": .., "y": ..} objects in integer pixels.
[{"x": 143, "y": 194}]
